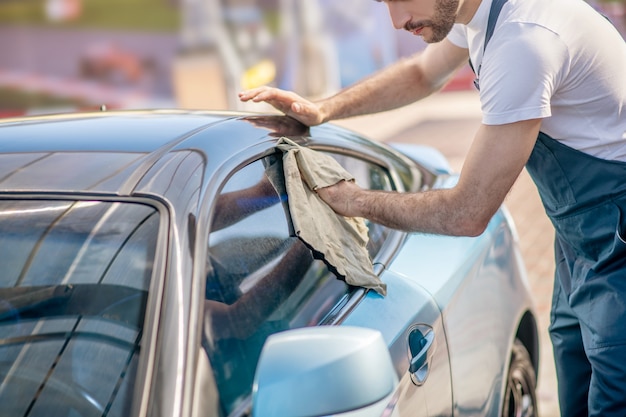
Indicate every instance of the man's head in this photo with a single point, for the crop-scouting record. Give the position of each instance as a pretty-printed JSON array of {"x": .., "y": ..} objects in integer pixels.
[{"x": 430, "y": 19}]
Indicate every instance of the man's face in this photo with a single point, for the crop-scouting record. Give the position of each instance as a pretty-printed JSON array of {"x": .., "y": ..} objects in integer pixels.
[{"x": 430, "y": 19}]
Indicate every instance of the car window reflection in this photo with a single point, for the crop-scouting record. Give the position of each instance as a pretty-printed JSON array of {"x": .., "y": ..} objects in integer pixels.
[
  {"x": 261, "y": 279},
  {"x": 73, "y": 293}
]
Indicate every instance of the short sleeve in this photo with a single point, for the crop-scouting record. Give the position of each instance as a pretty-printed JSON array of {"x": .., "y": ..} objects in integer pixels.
[
  {"x": 522, "y": 68},
  {"x": 458, "y": 36}
]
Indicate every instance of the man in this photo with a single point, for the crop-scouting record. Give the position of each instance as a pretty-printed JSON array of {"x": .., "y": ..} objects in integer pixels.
[{"x": 552, "y": 81}]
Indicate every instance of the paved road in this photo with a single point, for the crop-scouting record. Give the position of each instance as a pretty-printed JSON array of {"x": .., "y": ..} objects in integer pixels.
[{"x": 448, "y": 122}]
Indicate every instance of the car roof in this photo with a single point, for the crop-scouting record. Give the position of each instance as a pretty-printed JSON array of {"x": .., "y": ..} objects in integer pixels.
[
  {"x": 163, "y": 153},
  {"x": 112, "y": 152}
]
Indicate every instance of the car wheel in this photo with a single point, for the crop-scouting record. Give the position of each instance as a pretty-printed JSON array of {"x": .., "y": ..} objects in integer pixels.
[{"x": 520, "y": 396}]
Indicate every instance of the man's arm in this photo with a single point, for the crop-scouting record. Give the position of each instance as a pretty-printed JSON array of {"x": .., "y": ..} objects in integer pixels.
[
  {"x": 401, "y": 83},
  {"x": 497, "y": 156}
]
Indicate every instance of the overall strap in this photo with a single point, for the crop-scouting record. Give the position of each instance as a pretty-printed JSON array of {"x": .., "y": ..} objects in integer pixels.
[{"x": 494, "y": 12}]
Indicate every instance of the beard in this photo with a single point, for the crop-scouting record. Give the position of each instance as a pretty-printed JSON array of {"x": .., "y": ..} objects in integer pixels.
[{"x": 441, "y": 23}]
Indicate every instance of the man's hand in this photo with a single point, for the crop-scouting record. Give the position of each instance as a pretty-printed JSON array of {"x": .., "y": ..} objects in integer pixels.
[
  {"x": 287, "y": 102},
  {"x": 342, "y": 198}
]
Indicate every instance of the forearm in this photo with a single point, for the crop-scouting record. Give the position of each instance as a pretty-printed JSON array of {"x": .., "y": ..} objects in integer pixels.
[
  {"x": 399, "y": 84},
  {"x": 436, "y": 212},
  {"x": 395, "y": 86},
  {"x": 496, "y": 158}
]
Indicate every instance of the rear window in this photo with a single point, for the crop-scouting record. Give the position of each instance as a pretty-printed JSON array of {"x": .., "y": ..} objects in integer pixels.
[{"x": 73, "y": 289}]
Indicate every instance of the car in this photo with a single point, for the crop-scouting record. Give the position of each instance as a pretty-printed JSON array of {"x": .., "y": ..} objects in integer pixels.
[{"x": 149, "y": 268}]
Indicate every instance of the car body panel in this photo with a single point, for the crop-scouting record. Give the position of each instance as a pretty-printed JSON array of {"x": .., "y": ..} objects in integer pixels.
[
  {"x": 478, "y": 354},
  {"x": 406, "y": 307},
  {"x": 179, "y": 162}
]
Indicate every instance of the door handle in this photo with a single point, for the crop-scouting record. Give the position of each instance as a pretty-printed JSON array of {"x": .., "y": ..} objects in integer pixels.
[{"x": 421, "y": 347}]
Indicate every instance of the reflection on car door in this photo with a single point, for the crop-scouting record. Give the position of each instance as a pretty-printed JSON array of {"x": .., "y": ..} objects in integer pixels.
[
  {"x": 260, "y": 278},
  {"x": 411, "y": 324},
  {"x": 408, "y": 318}
]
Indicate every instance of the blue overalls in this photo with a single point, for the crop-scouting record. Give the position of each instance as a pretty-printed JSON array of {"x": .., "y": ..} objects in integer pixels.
[{"x": 585, "y": 198}]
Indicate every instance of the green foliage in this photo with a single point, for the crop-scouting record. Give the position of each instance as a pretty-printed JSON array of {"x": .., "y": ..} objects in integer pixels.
[
  {"x": 142, "y": 15},
  {"x": 21, "y": 100},
  {"x": 16, "y": 11}
]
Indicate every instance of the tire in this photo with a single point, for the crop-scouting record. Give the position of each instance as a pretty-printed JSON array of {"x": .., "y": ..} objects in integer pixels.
[{"x": 520, "y": 395}]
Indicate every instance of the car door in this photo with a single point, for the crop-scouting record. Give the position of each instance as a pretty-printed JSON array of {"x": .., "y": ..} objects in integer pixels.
[
  {"x": 411, "y": 325},
  {"x": 408, "y": 317},
  {"x": 262, "y": 280}
]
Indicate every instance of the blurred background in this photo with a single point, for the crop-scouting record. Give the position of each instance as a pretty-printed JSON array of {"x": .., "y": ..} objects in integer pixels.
[
  {"x": 78, "y": 55},
  {"x": 68, "y": 55}
]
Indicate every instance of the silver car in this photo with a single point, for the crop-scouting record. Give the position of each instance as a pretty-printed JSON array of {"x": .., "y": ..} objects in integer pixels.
[{"x": 149, "y": 268}]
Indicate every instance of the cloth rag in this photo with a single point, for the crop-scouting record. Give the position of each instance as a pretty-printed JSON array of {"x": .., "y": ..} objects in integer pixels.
[{"x": 341, "y": 241}]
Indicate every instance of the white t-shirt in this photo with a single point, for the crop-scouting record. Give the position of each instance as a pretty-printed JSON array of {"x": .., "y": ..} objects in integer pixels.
[{"x": 558, "y": 60}]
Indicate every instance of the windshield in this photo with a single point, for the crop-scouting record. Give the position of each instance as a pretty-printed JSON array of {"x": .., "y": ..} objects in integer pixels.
[{"x": 74, "y": 283}]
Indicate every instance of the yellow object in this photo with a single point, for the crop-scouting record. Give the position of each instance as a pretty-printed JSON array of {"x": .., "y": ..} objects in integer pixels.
[{"x": 260, "y": 74}]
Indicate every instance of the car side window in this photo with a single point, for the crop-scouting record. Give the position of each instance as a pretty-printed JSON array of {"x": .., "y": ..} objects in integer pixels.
[
  {"x": 373, "y": 177},
  {"x": 261, "y": 279}
]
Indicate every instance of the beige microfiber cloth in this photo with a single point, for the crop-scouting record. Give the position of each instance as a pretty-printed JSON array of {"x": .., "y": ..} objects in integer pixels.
[{"x": 340, "y": 240}]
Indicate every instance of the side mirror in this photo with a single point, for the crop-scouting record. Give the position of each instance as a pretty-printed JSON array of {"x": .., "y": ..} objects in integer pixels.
[{"x": 318, "y": 371}]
